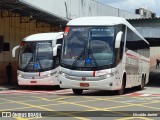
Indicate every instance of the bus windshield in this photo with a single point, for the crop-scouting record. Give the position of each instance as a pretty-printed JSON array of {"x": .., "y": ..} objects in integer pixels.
[
  {"x": 36, "y": 56},
  {"x": 88, "y": 46}
]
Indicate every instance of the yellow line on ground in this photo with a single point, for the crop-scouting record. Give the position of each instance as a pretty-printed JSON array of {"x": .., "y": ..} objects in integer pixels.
[
  {"x": 121, "y": 102},
  {"x": 5, "y": 102},
  {"x": 85, "y": 101},
  {"x": 110, "y": 98},
  {"x": 41, "y": 98},
  {"x": 130, "y": 104},
  {"x": 140, "y": 105},
  {"x": 95, "y": 108},
  {"x": 86, "y": 106},
  {"x": 149, "y": 107},
  {"x": 14, "y": 109},
  {"x": 38, "y": 99},
  {"x": 62, "y": 98},
  {"x": 107, "y": 107},
  {"x": 144, "y": 98},
  {"x": 57, "y": 99},
  {"x": 19, "y": 118},
  {"x": 151, "y": 102},
  {"x": 29, "y": 107},
  {"x": 47, "y": 109},
  {"x": 80, "y": 118},
  {"x": 22, "y": 101},
  {"x": 154, "y": 101},
  {"x": 131, "y": 118},
  {"x": 122, "y": 106}
]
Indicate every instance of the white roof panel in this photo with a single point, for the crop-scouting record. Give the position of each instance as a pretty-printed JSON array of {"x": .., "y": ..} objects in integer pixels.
[
  {"x": 99, "y": 20},
  {"x": 44, "y": 36}
]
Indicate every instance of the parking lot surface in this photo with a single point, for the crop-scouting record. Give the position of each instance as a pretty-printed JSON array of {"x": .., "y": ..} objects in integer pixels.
[{"x": 31, "y": 103}]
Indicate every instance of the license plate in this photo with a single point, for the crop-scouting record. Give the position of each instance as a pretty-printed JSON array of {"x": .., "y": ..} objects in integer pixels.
[
  {"x": 33, "y": 81},
  {"x": 84, "y": 84}
]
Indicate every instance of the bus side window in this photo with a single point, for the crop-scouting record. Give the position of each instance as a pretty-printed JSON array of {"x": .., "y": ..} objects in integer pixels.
[
  {"x": 59, "y": 41},
  {"x": 57, "y": 58}
]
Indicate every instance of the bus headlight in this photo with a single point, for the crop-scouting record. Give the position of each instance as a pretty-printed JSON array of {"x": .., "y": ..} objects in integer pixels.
[
  {"x": 108, "y": 75},
  {"x": 51, "y": 74},
  {"x": 19, "y": 75},
  {"x": 22, "y": 76},
  {"x": 105, "y": 76},
  {"x": 62, "y": 73}
]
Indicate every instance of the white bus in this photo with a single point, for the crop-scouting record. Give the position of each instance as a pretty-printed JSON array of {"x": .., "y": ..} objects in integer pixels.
[
  {"x": 39, "y": 57},
  {"x": 103, "y": 53}
]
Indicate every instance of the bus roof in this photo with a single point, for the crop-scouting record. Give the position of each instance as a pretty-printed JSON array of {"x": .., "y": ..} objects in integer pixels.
[
  {"x": 103, "y": 21},
  {"x": 97, "y": 21},
  {"x": 44, "y": 36}
]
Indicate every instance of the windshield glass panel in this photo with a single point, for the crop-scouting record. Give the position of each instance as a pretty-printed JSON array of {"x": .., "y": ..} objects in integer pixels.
[
  {"x": 44, "y": 55},
  {"x": 101, "y": 45},
  {"x": 36, "y": 56},
  {"x": 75, "y": 44},
  {"x": 89, "y": 46}
]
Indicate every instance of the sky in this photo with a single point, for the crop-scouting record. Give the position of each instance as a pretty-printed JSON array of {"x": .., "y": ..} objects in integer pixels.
[{"x": 131, "y": 5}]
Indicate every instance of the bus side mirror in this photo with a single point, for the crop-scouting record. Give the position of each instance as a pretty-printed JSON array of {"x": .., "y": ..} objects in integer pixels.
[
  {"x": 55, "y": 49},
  {"x": 118, "y": 39},
  {"x": 14, "y": 51}
]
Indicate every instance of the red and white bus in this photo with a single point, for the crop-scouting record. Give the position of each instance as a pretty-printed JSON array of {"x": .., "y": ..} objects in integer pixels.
[
  {"x": 103, "y": 53},
  {"x": 39, "y": 57}
]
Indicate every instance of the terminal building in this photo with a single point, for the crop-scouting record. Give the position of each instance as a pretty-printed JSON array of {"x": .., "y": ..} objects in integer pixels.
[
  {"x": 20, "y": 18},
  {"x": 150, "y": 29}
]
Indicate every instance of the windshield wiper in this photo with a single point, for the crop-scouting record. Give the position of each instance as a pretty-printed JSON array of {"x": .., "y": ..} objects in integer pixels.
[
  {"x": 90, "y": 53},
  {"x": 39, "y": 63},
  {"x": 37, "y": 58},
  {"x": 28, "y": 62},
  {"x": 81, "y": 53}
]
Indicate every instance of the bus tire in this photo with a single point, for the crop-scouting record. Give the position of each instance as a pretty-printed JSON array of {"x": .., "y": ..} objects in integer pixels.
[
  {"x": 122, "y": 89},
  {"x": 77, "y": 91},
  {"x": 141, "y": 87}
]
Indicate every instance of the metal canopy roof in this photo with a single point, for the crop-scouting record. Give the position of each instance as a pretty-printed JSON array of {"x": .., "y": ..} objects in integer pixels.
[
  {"x": 154, "y": 42},
  {"x": 149, "y": 29},
  {"x": 157, "y": 19},
  {"x": 25, "y": 9}
]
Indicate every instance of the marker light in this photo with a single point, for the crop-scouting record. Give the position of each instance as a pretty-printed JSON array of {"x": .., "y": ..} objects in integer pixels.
[
  {"x": 66, "y": 30},
  {"x": 22, "y": 43}
]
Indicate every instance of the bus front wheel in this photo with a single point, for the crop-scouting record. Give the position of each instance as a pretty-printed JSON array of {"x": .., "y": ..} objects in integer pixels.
[
  {"x": 122, "y": 89},
  {"x": 77, "y": 91}
]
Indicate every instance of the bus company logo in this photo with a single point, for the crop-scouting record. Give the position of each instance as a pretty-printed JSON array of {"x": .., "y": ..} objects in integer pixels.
[
  {"x": 83, "y": 78},
  {"x": 6, "y": 114}
]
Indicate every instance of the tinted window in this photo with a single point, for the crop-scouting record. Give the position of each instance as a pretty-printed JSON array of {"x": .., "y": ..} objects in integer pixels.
[{"x": 136, "y": 44}]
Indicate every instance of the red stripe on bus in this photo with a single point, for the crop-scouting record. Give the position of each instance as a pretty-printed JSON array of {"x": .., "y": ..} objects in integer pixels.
[
  {"x": 94, "y": 73},
  {"x": 133, "y": 56},
  {"x": 39, "y": 74},
  {"x": 145, "y": 60}
]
